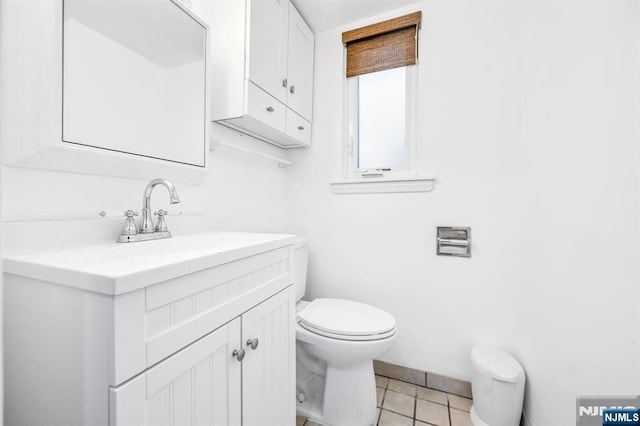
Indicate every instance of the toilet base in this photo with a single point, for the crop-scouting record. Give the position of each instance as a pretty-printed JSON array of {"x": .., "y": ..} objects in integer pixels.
[
  {"x": 475, "y": 419},
  {"x": 348, "y": 397},
  {"x": 311, "y": 409}
]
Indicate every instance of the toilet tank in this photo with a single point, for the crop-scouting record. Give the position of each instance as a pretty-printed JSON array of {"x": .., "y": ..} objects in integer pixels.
[{"x": 301, "y": 257}]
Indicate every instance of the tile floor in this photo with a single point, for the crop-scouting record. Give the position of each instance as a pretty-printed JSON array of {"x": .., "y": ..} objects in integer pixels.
[{"x": 405, "y": 404}]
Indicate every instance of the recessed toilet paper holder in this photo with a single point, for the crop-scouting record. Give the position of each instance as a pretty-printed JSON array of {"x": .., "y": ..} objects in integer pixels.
[{"x": 454, "y": 241}]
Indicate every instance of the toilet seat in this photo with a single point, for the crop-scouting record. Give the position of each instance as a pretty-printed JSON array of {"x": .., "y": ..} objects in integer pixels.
[{"x": 346, "y": 320}]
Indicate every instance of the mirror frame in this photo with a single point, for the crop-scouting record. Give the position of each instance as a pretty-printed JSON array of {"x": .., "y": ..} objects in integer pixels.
[{"x": 31, "y": 105}]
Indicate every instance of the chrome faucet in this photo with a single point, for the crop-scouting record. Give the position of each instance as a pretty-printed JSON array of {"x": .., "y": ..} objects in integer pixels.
[
  {"x": 146, "y": 223},
  {"x": 148, "y": 230}
]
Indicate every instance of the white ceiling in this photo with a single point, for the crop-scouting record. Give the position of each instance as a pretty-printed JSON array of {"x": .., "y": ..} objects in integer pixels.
[{"x": 324, "y": 14}]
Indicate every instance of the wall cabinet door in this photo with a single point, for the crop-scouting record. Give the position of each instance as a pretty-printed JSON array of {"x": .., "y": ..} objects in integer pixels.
[
  {"x": 268, "y": 374},
  {"x": 268, "y": 46},
  {"x": 199, "y": 385},
  {"x": 300, "y": 65}
]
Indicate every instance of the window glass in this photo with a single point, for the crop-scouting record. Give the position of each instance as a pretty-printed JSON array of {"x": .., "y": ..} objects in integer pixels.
[{"x": 382, "y": 121}]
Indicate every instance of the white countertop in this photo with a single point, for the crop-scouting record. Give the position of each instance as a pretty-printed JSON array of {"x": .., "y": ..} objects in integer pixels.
[{"x": 119, "y": 268}]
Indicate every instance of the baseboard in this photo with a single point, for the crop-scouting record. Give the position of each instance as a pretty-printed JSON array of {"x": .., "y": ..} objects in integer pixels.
[{"x": 423, "y": 378}]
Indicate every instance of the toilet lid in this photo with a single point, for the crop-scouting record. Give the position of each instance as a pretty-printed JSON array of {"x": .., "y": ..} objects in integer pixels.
[{"x": 346, "y": 319}]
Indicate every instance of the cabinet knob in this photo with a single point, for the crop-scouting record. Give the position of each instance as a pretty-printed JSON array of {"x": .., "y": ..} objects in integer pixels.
[
  {"x": 253, "y": 343},
  {"x": 292, "y": 89},
  {"x": 300, "y": 127},
  {"x": 270, "y": 109},
  {"x": 285, "y": 83},
  {"x": 238, "y": 354}
]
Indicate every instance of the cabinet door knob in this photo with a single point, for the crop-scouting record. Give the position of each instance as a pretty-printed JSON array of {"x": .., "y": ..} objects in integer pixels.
[
  {"x": 253, "y": 343},
  {"x": 270, "y": 109},
  {"x": 292, "y": 89},
  {"x": 285, "y": 83},
  {"x": 300, "y": 127},
  {"x": 238, "y": 354}
]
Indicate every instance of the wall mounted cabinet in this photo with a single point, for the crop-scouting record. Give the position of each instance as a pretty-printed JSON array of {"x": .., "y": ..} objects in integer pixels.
[
  {"x": 84, "y": 90},
  {"x": 262, "y": 72},
  {"x": 152, "y": 334}
]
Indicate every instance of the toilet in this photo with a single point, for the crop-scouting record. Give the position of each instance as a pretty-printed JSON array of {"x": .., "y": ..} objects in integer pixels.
[
  {"x": 336, "y": 342},
  {"x": 497, "y": 386}
]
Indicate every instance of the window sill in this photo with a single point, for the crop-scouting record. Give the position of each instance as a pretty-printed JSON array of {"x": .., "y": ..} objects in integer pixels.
[{"x": 383, "y": 185}]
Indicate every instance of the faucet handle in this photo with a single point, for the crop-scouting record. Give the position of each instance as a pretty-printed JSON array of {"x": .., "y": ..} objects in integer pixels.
[
  {"x": 130, "y": 225},
  {"x": 161, "y": 225}
]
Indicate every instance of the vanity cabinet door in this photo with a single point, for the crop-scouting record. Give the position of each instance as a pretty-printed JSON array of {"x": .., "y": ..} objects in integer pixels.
[
  {"x": 268, "y": 46},
  {"x": 199, "y": 385},
  {"x": 268, "y": 373}
]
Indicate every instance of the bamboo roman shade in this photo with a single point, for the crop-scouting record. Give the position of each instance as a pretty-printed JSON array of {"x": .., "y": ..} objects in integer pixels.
[{"x": 382, "y": 46}]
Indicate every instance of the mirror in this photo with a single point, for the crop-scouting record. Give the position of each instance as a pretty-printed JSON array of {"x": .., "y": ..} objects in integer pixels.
[{"x": 134, "y": 78}]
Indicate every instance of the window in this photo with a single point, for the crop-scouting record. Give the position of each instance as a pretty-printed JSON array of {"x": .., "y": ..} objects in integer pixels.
[
  {"x": 381, "y": 135},
  {"x": 382, "y": 120},
  {"x": 381, "y": 97}
]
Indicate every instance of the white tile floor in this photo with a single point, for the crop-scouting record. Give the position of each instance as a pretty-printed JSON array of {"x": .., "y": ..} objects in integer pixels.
[{"x": 405, "y": 404}]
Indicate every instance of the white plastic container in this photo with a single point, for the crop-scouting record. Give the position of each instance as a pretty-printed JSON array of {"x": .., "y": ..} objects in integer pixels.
[{"x": 497, "y": 386}]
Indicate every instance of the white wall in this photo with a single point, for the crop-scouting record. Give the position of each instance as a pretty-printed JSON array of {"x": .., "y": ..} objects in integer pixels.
[
  {"x": 240, "y": 193},
  {"x": 380, "y": 248},
  {"x": 245, "y": 192},
  {"x": 528, "y": 120},
  {"x": 578, "y": 329}
]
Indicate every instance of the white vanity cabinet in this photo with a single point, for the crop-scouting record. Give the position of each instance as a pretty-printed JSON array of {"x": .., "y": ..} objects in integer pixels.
[
  {"x": 203, "y": 385},
  {"x": 262, "y": 72},
  {"x": 267, "y": 369},
  {"x": 199, "y": 385},
  {"x": 152, "y": 333}
]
